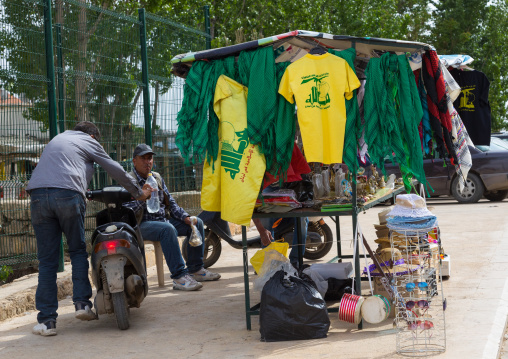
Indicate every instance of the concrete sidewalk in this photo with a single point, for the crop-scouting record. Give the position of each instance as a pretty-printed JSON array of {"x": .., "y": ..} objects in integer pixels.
[{"x": 211, "y": 323}]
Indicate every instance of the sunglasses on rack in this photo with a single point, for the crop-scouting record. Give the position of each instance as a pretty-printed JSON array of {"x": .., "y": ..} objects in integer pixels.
[
  {"x": 422, "y": 324},
  {"x": 421, "y": 285},
  {"x": 423, "y": 304}
]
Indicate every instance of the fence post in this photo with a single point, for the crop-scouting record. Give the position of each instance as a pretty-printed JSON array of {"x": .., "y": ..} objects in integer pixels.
[
  {"x": 206, "y": 10},
  {"x": 59, "y": 80},
  {"x": 145, "y": 77},
  {"x": 50, "y": 73},
  {"x": 50, "y": 69}
]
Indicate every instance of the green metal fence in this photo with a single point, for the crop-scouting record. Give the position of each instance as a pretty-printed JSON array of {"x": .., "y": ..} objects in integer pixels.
[
  {"x": 23, "y": 122},
  {"x": 166, "y": 39},
  {"x": 107, "y": 67}
]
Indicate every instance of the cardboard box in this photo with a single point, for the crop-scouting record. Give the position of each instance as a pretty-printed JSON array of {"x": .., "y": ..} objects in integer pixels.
[{"x": 446, "y": 266}]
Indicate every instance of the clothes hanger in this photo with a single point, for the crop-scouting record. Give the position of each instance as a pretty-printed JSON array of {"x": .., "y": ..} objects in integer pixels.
[
  {"x": 465, "y": 67},
  {"x": 318, "y": 50}
]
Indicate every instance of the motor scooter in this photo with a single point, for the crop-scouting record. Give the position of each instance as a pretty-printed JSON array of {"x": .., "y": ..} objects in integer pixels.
[
  {"x": 118, "y": 258},
  {"x": 318, "y": 244}
]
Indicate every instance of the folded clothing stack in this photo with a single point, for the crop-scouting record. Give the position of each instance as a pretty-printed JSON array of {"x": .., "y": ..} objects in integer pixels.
[{"x": 279, "y": 201}]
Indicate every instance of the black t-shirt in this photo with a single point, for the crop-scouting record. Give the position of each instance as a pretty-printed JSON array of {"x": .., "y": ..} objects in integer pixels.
[{"x": 473, "y": 104}]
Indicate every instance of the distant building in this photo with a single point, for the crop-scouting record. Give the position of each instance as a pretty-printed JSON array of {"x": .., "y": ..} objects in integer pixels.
[
  {"x": 12, "y": 122},
  {"x": 21, "y": 143}
]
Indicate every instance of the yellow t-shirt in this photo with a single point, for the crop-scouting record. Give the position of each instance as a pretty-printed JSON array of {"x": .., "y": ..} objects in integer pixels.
[
  {"x": 233, "y": 187},
  {"x": 320, "y": 84}
]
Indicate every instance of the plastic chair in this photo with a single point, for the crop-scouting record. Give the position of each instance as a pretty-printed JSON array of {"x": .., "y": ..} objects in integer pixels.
[{"x": 159, "y": 261}]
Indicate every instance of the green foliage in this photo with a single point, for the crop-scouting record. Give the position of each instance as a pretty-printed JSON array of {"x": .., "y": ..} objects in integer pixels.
[
  {"x": 24, "y": 50},
  {"x": 5, "y": 272},
  {"x": 473, "y": 27},
  {"x": 449, "y": 25}
]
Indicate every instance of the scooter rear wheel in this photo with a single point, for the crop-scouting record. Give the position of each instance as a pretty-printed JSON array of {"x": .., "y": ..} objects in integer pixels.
[
  {"x": 321, "y": 249},
  {"x": 121, "y": 310}
]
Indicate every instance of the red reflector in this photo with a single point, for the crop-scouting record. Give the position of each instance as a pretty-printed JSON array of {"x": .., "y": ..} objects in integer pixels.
[{"x": 111, "y": 245}]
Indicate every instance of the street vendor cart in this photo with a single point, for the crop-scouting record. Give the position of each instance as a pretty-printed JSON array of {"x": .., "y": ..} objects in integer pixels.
[{"x": 381, "y": 103}]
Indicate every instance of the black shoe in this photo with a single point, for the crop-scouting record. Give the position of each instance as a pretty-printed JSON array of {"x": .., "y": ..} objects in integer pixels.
[
  {"x": 84, "y": 312},
  {"x": 46, "y": 329}
]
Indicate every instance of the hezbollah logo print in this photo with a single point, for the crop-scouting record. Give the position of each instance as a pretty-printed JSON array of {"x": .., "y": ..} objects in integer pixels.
[
  {"x": 234, "y": 144},
  {"x": 467, "y": 99},
  {"x": 319, "y": 96}
]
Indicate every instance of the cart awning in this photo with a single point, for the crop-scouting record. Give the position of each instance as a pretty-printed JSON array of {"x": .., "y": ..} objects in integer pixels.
[{"x": 307, "y": 40}]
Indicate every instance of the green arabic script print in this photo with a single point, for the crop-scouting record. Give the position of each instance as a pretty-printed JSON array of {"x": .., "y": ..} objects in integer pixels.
[
  {"x": 319, "y": 96},
  {"x": 231, "y": 157}
]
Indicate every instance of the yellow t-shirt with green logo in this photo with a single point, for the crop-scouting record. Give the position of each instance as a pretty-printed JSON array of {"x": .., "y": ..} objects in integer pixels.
[
  {"x": 233, "y": 186},
  {"x": 320, "y": 85}
]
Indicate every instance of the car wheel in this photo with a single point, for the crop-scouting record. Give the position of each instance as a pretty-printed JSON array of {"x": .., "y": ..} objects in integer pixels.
[
  {"x": 496, "y": 196},
  {"x": 473, "y": 189}
]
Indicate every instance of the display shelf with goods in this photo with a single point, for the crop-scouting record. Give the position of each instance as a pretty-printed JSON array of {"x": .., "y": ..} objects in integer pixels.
[{"x": 419, "y": 298}]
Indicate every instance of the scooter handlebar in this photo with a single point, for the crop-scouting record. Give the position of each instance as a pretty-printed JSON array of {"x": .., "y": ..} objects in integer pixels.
[
  {"x": 112, "y": 194},
  {"x": 93, "y": 195}
]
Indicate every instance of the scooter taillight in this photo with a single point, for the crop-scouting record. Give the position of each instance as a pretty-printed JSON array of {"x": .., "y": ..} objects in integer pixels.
[{"x": 111, "y": 246}]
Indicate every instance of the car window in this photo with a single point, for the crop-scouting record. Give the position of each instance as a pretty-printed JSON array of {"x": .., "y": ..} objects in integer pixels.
[
  {"x": 501, "y": 135},
  {"x": 496, "y": 144},
  {"x": 503, "y": 138}
]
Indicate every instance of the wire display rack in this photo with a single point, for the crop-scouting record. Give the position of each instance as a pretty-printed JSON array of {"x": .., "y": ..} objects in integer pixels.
[{"x": 419, "y": 298}]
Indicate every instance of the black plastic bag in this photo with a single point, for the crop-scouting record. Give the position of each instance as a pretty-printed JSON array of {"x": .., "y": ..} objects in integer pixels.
[
  {"x": 291, "y": 309},
  {"x": 304, "y": 189}
]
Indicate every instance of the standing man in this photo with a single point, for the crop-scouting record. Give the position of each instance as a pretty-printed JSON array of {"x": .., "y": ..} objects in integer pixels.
[
  {"x": 166, "y": 225},
  {"x": 57, "y": 194}
]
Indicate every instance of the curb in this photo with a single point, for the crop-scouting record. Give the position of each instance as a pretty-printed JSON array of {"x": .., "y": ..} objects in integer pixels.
[{"x": 21, "y": 302}]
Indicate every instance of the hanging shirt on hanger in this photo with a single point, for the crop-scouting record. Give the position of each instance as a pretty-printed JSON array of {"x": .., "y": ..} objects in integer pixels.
[
  {"x": 233, "y": 187},
  {"x": 320, "y": 85},
  {"x": 473, "y": 104}
]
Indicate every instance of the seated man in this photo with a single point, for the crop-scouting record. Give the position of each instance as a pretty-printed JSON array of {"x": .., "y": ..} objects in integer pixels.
[{"x": 157, "y": 227}]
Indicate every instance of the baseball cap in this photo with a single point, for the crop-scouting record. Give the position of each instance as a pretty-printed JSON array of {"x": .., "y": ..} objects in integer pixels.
[{"x": 141, "y": 150}]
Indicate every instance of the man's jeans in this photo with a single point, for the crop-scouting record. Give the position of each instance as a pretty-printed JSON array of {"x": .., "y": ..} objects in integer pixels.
[
  {"x": 293, "y": 255},
  {"x": 54, "y": 211},
  {"x": 167, "y": 234}
]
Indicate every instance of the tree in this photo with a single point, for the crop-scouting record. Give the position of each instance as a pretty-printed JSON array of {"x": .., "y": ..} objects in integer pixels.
[
  {"x": 22, "y": 50},
  {"x": 101, "y": 61},
  {"x": 490, "y": 60},
  {"x": 101, "y": 54}
]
